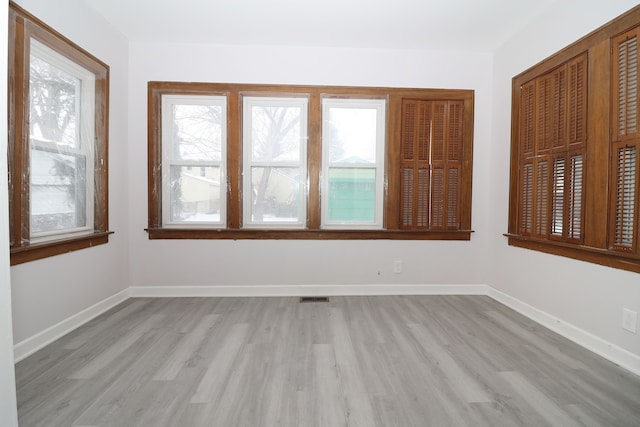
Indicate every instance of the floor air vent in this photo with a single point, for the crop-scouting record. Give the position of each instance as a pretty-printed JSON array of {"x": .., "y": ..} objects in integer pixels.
[{"x": 314, "y": 299}]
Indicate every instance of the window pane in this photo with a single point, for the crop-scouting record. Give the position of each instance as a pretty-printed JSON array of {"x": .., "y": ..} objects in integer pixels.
[
  {"x": 352, "y": 195},
  {"x": 57, "y": 195},
  {"x": 197, "y": 132},
  {"x": 275, "y": 133},
  {"x": 275, "y": 194},
  {"x": 195, "y": 193},
  {"x": 274, "y": 167},
  {"x": 352, "y": 135},
  {"x": 54, "y": 103}
]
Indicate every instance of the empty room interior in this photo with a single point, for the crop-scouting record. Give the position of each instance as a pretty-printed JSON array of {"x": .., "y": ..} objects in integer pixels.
[{"x": 320, "y": 213}]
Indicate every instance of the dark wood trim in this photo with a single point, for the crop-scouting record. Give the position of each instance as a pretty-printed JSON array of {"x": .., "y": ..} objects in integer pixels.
[
  {"x": 315, "y": 94},
  {"x": 28, "y": 253},
  {"x": 582, "y": 253},
  {"x": 22, "y": 27},
  {"x": 598, "y": 203},
  {"x": 198, "y": 234}
]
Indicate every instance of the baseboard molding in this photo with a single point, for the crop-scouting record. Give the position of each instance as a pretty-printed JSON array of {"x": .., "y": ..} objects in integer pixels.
[
  {"x": 32, "y": 344},
  {"x": 303, "y": 290},
  {"x": 611, "y": 352}
]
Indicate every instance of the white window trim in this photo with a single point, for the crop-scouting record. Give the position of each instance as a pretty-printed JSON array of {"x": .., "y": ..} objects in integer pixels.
[
  {"x": 85, "y": 131},
  {"x": 380, "y": 106},
  {"x": 248, "y": 102},
  {"x": 168, "y": 101}
]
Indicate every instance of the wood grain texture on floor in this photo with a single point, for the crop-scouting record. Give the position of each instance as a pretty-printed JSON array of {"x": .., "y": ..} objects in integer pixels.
[{"x": 354, "y": 361}]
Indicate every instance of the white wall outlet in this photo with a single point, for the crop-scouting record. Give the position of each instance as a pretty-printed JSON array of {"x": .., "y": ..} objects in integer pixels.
[
  {"x": 397, "y": 267},
  {"x": 629, "y": 320}
]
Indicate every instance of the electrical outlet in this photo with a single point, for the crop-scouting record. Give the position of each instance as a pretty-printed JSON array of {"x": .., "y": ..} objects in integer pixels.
[
  {"x": 397, "y": 267},
  {"x": 629, "y": 320}
]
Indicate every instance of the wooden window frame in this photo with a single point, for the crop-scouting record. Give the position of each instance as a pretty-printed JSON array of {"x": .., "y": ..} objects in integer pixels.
[
  {"x": 315, "y": 94},
  {"x": 22, "y": 28},
  {"x": 595, "y": 242}
]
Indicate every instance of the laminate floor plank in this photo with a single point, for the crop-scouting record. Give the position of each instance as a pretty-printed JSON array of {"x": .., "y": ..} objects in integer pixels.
[{"x": 385, "y": 361}]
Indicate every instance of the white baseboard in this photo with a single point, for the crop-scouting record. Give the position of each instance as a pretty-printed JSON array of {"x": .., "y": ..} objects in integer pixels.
[
  {"x": 611, "y": 352},
  {"x": 34, "y": 343},
  {"x": 303, "y": 290}
]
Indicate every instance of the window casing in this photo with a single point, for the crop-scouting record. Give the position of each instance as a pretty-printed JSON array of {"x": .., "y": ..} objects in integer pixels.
[
  {"x": 574, "y": 169},
  {"x": 310, "y": 218},
  {"x": 57, "y": 151}
]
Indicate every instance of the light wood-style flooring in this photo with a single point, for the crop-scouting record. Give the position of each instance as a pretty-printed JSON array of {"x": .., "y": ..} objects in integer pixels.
[{"x": 355, "y": 361}]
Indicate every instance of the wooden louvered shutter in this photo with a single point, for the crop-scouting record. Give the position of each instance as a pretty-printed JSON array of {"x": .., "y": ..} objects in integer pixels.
[
  {"x": 558, "y": 196},
  {"x": 544, "y": 105},
  {"x": 577, "y": 100},
  {"x": 431, "y": 164},
  {"x": 625, "y": 72},
  {"x": 526, "y": 199},
  {"x": 415, "y": 168},
  {"x": 575, "y": 194},
  {"x": 446, "y": 160},
  {"x": 625, "y": 143},
  {"x": 527, "y": 147},
  {"x": 541, "y": 197}
]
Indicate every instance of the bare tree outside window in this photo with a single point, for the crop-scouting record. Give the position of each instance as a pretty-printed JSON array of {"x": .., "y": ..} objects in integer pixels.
[{"x": 56, "y": 170}]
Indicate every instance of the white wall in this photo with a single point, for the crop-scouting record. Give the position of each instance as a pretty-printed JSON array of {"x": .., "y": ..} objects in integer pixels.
[
  {"x": 51, "y": 290},
  {"x": 8, "y": 409},
  {"x": 219, "y": 263},
  {"x": 588, "y": 296}
]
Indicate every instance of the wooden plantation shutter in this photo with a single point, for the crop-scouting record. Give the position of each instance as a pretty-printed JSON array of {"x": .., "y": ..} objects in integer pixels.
[
  {"x": 625, "y": 143},
  {"x": 432, "y": 133},
  {"x": 552, "y": 146}
]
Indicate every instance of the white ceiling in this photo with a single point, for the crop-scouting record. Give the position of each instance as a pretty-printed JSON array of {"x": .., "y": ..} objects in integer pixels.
[{"x": 413, "y": 24}]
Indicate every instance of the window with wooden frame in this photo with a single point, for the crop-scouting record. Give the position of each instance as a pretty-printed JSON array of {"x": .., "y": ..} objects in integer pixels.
[
  {"x": 574, "y": 170},
  {"x": 625, "y": 162},
  {"x": 57, "y": 151},
  {"x": 319, "y": 162}
]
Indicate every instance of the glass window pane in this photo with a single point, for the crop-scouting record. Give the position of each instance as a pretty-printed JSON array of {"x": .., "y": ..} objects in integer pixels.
[
  {"x": 275, "y": 133},
  {"x": 197, "y": 132},
  {"x": 54, "y": 102},
  {"x": 352, "y": 135},
  {"x": 275, "y": 194},
  {"x": 57, "y": 191},
  {"x": 352, "y": 195},
  {"x": 195, "y": 193}
]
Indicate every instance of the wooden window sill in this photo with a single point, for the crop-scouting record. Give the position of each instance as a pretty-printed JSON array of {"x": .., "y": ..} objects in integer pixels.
[
  {"x": 609, "y": 258},
  {"x": 33, "y": 252},
  {"x": 181, "y": 233}
]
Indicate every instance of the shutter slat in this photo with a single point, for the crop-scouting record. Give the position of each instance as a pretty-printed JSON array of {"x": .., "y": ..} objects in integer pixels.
[
  {"x": 559, "y": 107},
  {"x": 527, "y": 125},
  {"x": 454, "y": 138},
  {"x": 407, "y": 197},
  {"x": 557, "y": 204},
  {"x": 408, "y": 129},
  {"x": 423, "y": 198},
  {"x": 526, "y": 208},
  {"x": 545, "y": 113},
  {"x": 575, "y": 197},
  {"x": 437, "y": 143},
  {"x": 424, "y": 131},
  {"x": 627, "y": 104},
  {"x": 542, "y": 179},
  {"x": 577, "y": 100},
  {"x": 625, "y": 197},
  {"x": 437, "y": 198},
  {"x": 452, "y": 198}
]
